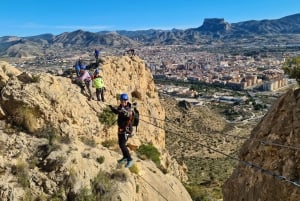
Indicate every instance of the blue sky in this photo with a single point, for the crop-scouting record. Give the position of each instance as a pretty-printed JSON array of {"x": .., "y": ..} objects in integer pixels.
[{"x": 34, "y": 17}]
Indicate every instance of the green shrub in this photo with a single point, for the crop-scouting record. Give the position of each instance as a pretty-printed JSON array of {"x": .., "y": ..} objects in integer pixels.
[
  {"x": 36, "y": 78},
  {"x": 134, "y": 169},
  {"x": 197, "y": 193},
  {"x": 107, "y": 117},
  {"x": 109, "y": 143},
  {"x": 201, "y": 193},
  {"x": 150, "y": 152},
  {"x": 291, "y": 67},
  {"x": 100, "y": 159}
]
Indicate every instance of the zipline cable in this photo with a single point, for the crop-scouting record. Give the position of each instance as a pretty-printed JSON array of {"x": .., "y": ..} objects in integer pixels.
[
  {"x": 263, "y": 142},
  {"x": 153, "y": 188},
  {"x": 249, "y": 164}
]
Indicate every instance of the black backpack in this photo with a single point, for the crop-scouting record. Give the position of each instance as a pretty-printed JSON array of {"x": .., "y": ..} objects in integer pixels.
[{"x": 135, "y": 117}]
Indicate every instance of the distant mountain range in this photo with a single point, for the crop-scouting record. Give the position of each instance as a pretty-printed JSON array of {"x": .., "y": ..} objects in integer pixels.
[{"x": 285, "y": 30}]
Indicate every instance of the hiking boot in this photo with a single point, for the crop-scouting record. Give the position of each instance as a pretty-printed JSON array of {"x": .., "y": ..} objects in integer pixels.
[
  {"x": 122, "y": 160},
  {"x": 129, "y": 164}
]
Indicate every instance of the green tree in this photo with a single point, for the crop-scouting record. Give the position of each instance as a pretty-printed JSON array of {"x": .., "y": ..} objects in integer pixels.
[{"x": 291, "y": 67}]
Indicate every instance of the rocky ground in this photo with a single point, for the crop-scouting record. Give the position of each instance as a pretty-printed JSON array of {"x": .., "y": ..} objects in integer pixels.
[{"x": 195, "y": 136}]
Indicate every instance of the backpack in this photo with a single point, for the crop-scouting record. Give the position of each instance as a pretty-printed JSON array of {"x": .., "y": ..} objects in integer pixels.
[{"x": 135, "y": 117}]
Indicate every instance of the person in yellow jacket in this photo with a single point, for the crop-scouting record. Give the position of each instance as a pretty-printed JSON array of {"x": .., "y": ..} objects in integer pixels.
[{"x": 100, "y": 87}]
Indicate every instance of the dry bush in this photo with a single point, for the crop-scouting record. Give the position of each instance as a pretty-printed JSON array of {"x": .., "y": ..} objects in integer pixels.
[
  {"x": 136, "y": 94},
  {"x": 26, "y": 117},
  {"x": 22, "y": 173}
]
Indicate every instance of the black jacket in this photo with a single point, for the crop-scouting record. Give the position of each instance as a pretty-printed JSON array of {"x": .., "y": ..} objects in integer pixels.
[{"x": 124, "y": 115}]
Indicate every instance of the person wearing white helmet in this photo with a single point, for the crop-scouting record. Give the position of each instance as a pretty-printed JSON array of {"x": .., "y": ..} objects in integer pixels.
[{"x": 124, "y": 127}]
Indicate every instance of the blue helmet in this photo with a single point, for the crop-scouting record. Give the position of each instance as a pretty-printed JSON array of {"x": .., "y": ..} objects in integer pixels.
[{"x": 123, "y": 97}]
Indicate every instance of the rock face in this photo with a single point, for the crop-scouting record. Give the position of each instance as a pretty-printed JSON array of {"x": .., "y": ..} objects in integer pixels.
[
  {"x": 51, "y": 133},
  {"x": 280, "y": 126},
  {"x": 215, "y": 25}
]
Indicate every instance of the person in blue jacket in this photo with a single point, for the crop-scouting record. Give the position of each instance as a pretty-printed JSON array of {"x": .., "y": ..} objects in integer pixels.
[
  {"x": 96, "y": 54},
  {"x": 79, "y": 65}
]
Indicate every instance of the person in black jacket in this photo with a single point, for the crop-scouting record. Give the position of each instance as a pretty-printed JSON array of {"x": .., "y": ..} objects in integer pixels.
[{"x": 124, "y": 127}]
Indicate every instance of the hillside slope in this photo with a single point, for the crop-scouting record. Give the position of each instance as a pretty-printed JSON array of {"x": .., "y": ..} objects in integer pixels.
[{"x": 52, "y": 142}]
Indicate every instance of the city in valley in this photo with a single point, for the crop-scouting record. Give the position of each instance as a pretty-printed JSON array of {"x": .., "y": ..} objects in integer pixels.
[{"x": 249, "y": 78}]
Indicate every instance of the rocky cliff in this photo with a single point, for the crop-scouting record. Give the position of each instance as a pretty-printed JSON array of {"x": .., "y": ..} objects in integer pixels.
[
  {"x": 275, "y": 170},
  {"x": 53, "y": 144}
]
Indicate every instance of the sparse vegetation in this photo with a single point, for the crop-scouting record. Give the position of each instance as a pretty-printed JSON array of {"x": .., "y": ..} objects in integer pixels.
[
  {"x": 292, "y": 68},
  {"x": 119, "y": 175},
  {"x": 4, "y": 68},
  {"x": 163, "y": 170},
  {"x": 107, "y": 117},
  {"x": 118, "y": 96},
  {"x": 134, "y": 169},
  {"x": 198, "y": 194},
  {"x": 89, "y": 141},
  {"x": 26, "y": 117},
  {"x": 58, "y": 195},
  {"x": 109, "y": 143},
  {"x": 29, "y": 196},
  {"x": 136, "y": 94},
  {"x": 100, "y": 159},
  {"x": 49, "y": 132},
  {"x": 36, "y": 78},
  {"x": 22, "y": 173},
  {"x": 150, "y": 152},
  {"x": 102, "y": 186},
  {"x": 148, "y": 94},
  {"x": 85, "y": 194}
]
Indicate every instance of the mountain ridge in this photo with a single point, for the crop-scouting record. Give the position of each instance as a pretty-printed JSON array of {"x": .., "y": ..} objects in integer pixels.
[{"x": 213, "y": 29}]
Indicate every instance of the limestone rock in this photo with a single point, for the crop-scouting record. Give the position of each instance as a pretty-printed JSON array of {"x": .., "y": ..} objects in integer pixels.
[
  {"x": 52, "y": 128},
  {"x": 281, "y": 126}
]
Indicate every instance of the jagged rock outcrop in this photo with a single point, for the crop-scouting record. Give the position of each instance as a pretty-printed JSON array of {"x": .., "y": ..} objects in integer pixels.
[
  {"x": 281, "y": 126},
  {"x": 215, "y": 25},
  {"x": 50, "y": 136}
]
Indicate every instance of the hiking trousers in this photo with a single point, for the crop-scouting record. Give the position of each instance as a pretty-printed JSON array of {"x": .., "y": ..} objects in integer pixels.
[
  {"x": 89, "y": 87},
  {"x": 100, "y": 94},
  {"x": 122, "y": 139}
]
